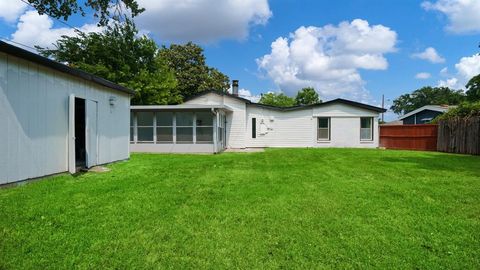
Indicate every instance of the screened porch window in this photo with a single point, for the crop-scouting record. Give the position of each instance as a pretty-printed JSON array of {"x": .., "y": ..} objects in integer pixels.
[
  {"x": 204, "y": 127},
  {"x": 168, "y": 127},
  {"x": 145, "y": 127},
  {"x": 221, "y": 127},
  {"x": 132, "y": 128},
  {"x": 184, "y": 127},
  {"x": 366, "y": 128},
  {"x": 323, "y": 133},
  {"x": 164, "y": 127}
]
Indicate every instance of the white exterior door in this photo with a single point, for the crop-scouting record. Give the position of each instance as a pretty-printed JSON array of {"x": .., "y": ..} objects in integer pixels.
[
  {"x": 91, "y": 134},
  {"x": 71, "y": 134}
]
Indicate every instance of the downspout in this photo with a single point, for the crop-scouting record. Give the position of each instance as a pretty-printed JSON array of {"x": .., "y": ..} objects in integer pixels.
[{"x": 214, "y": 112}]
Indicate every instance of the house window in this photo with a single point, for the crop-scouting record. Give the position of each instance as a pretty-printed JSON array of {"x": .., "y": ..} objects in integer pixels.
[
  {"x": 204, "y": 127},
  {"x": 323, "y": 132},
  {"x": 254, "y": 128},
  {"x": 184, "y": 127},
  {"x": 145, "y": 127},
  {"x": 366, "y": 128},
  {"x": 164, "y": 127}
]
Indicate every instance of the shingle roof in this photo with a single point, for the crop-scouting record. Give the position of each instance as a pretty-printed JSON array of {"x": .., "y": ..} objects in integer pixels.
[
  {"x": 437, "y": 108},
  {"x": 293, "y": 108}
]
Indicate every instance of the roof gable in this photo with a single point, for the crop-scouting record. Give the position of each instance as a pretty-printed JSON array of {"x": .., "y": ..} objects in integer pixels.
[{"x": 436, "y": 108}]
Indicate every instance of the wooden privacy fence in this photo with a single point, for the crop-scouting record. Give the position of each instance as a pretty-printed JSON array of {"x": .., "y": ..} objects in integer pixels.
[
  {"x": 459, "y": 136},
  {"x": 409, "y": 137}
]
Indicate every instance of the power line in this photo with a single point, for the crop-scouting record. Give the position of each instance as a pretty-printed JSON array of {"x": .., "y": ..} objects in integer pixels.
[
  {"x": 18, "y": 43},
  {"x": 58, "y": 20},
  {"x": 30, "y": 47}
]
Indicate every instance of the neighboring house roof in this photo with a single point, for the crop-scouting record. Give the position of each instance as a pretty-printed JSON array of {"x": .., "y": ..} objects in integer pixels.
[
  {"x": 436, "y": 108},
  {"x": 393, "y": 123},
  {"x": 32, "y": 57},
  {"x": 293, "y": 108}
]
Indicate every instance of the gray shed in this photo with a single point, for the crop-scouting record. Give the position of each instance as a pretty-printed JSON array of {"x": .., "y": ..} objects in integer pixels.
[{"x": 54, "y": 118}]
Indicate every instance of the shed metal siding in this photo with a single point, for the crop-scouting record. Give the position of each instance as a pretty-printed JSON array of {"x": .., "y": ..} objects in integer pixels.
[{"x": 34, "y": 119}]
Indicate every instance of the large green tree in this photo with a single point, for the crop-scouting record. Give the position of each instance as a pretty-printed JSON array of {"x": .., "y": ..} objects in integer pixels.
[
  {"x": 473, "y": 89},
  {"x": 427, "y": 96},
  {"x": 118, "y": 54},
  {"x": 307, "y": 96},
  {"x": 104, "y": 10},
  {"x": 193, "y": 74},
  {"x": 277, "y": 99}
]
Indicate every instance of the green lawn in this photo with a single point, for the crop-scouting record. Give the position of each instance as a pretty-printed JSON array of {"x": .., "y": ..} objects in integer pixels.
[{"x": 285, "y": 208}]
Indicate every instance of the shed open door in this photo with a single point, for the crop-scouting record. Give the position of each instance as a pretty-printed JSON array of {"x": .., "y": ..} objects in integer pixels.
[
  {"x": 91, "y": 133},
  {"x": 71, "y": 134}
]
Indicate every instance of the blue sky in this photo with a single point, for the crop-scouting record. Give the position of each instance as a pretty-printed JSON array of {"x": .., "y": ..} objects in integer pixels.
[{"x": 356, "y": 49}]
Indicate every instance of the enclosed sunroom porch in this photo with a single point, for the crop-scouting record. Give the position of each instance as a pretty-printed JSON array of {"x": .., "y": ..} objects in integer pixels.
[{"x": 178, "y": 128}]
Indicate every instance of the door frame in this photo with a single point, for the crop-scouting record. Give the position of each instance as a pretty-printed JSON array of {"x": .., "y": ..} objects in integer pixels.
[
  {"x": 87, "y": 137},
  {"x": 71, "y": 135}
]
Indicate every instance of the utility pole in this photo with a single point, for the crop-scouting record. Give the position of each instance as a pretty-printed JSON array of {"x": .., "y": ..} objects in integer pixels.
[{"x": 383, "y": 107}]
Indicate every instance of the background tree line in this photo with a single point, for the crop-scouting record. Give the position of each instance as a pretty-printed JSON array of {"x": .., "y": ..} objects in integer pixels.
[
  {"x": 305, "y": 96},
  {"x": 437, "y": 96},
  {"x": 159, "y": 75}
]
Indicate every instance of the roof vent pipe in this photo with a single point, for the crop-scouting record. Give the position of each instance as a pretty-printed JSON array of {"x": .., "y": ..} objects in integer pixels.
[{"x": 235, "y": 87}]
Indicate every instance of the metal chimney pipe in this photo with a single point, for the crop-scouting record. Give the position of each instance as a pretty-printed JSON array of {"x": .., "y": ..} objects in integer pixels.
[{"x": 235, "y": 87}]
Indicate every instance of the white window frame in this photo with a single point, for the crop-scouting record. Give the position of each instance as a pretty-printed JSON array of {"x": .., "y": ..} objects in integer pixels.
[
  {"x": 370, "y": 128},
  {"x": 328, "y": 129}
]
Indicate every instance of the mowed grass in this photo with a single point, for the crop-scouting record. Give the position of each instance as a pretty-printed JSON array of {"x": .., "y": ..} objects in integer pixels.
[{"x": 284, "y": 208}]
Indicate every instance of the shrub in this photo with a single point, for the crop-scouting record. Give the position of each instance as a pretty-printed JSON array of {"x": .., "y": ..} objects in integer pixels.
[{"x": 464, "y": 110}]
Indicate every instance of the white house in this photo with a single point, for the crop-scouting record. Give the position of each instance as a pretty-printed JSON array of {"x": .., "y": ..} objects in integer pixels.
[
  {"x": 54, "y": 118},
  {"x": 213, "y": 121}
]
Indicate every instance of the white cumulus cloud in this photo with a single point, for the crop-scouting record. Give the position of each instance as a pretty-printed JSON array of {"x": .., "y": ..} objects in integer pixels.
[
  {"x": 430, "y": 54},
  {"x": 463, "y": 15},
  {"x": 34, "y": 29},
  {"x": 466, "y": 68},
  {"x": 244, "y": 93},
  {"x": 10, "y": 10},
  {"x": 202, "y": 20},
  {"x": 329, "y": 58},
  {"x": 423, "y": 75}
]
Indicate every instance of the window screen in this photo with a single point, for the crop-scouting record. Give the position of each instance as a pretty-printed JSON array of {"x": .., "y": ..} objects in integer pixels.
[
  {"x": 184, "y": 127},
  {"x": 204, "y": 127},
  {"x": 144, "y": 127},
  {"x": 164, "y": 127}
]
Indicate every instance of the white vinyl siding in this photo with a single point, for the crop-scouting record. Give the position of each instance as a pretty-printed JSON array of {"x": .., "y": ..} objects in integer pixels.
[{"x": 296, "y": 128}]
